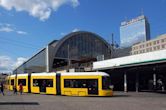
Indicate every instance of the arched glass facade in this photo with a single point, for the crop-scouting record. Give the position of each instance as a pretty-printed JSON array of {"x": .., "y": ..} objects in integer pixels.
[
  {"x": 83, "y": 45},
  {"x": 81, "y": 48}
]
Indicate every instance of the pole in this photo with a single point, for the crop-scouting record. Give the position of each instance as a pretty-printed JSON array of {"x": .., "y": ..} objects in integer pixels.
[
  {"x": 68, "y": 50},
  {"x": 125, "y": 82},
  {"x": 137, "y": 82},
  {"x": 112, "y": 39},
  {"x": 47, "y": 59},
  {"x": 154, "y": 79},
  {"x": 16, "y": 81},
  {"x": 112, "y": 45}
]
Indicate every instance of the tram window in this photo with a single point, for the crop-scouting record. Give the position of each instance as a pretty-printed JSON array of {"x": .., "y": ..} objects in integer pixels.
[
  {"x": 23, "y": 81},
  {"x": 75, "y": 83},
  {"x": 92, "y": 83},
  {"x": 39, "y": 82},
  {"x": 35, "y": 82},
  {"x": 49, "y": 83},
  {"x": 12, "y": 82},
  {"x": 80, "y": 83},
  {"x": 67, "y": 83},
  {"x": 106, "y": 82}
]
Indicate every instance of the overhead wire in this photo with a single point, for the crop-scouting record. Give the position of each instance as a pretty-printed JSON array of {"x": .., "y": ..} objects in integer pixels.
[{"x": 21, "y": 45}]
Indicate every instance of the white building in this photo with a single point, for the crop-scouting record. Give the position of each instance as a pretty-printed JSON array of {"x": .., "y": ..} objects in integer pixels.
[{"x": 158, "y": 43}]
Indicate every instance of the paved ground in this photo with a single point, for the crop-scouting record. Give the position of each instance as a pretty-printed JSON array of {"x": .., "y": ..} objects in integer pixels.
[{"x": 120, "y": 101}]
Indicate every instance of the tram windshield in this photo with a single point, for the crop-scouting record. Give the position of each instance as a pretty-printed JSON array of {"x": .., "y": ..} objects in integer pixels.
[{"x": 106, "y": 83}]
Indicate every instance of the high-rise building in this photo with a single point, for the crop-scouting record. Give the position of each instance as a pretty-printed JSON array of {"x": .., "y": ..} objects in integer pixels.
[{"x": 134, "y": 31}]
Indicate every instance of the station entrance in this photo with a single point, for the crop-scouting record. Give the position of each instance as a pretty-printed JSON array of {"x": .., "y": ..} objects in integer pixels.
[{"x": 150, "y": 77}]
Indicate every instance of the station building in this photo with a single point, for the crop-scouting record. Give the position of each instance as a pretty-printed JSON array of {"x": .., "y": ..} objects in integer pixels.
[
  {"x": 140, "y": 72},
  {"x": 74, "y": 52}
]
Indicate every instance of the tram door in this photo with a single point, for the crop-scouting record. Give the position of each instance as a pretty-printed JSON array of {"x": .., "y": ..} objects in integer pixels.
[
  {"x": 58, "y": 84},
  {"x": 92, "y": 86},
  {"x": 42, "y": 85}
]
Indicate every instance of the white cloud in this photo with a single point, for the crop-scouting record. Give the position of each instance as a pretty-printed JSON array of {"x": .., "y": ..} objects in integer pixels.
[
  {"x": 7, "y": 24},
  {"x": 7, "y": 64},
  {"x": 6, "y": 29},
  {"x": 41, "y": 9},
  {"x": 18, "y": 62},
  {"x": 21, "y": 32},
  {"x": 75, "y": 30},
  {"x": 75, "y": 3},
  {"x": 62, "y": 33}
]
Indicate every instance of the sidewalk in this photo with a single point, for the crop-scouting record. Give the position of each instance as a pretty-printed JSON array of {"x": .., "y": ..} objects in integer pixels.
[{"x": 120, "y": 101}]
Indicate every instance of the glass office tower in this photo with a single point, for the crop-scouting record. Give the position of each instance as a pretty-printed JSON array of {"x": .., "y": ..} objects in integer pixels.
[{"x": 134, "y": 31}]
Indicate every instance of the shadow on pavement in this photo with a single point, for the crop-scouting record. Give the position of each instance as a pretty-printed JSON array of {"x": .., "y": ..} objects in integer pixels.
[
  {"x": 19, "y": 103},
  {"x": 121, "y": 96},
  {"x": 117, "y": 95}
]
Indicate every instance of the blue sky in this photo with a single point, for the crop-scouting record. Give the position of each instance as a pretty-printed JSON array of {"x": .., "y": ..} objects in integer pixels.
[{"x": 25, "y": 30}]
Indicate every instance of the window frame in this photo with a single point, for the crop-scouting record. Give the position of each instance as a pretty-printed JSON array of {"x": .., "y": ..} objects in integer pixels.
[
  {"x": 49, "y": 82},
  {"x": 23, "y": 81}
]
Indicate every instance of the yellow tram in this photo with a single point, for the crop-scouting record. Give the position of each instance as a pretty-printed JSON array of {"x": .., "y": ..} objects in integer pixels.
[{"x": 69, "y": 84}]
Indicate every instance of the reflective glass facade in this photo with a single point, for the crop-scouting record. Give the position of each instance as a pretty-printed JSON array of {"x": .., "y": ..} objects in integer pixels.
[
  {"x": 82, "y": 49},
  {"x": 35, "y": 64},
  {"x": 134, "y": 31},
  {"x": 83, "y": 46}
]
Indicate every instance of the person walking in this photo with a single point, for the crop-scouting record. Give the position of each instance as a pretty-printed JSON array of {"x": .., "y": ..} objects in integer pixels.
[
  {"x": 14, "y": 89},
  {"x": 20, "y": 88},
  {"x": 2, "y": 88}
]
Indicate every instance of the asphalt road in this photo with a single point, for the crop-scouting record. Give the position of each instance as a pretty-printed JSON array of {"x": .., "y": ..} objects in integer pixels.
[{"x": 120, "y": 101}]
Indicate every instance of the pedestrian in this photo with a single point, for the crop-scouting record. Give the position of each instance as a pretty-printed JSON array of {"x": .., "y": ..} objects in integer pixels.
[
  {"x": 43, "y": 86},
  {"x": 2, "y": 89},
  {"x": 20, "y": 88},
  {"x": 14, "y": 89},
  {"x": 159, "y": 84}
]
